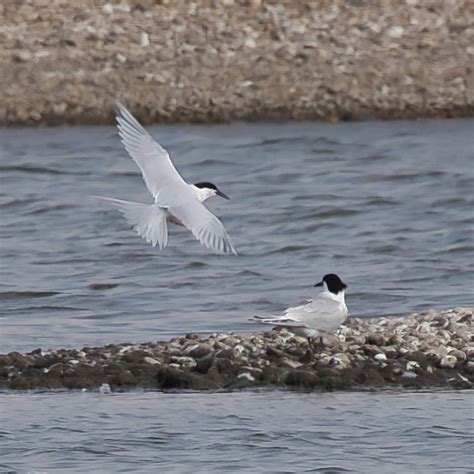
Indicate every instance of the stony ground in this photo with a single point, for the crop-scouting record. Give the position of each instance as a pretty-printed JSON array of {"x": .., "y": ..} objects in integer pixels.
[
  {"x": 181, "y": 60},
  {"x": 432, "y": 349}
]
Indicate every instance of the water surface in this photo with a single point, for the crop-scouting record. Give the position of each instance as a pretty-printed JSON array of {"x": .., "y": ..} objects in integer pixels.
[
  {"x": 280, "y": 432},
  {"x": 386, "y": 205}
]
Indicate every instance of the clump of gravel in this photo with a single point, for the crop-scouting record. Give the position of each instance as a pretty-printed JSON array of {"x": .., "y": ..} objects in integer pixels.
[
  {"x": 210, "y": 60},
  {"x": 431, "y": 349}
]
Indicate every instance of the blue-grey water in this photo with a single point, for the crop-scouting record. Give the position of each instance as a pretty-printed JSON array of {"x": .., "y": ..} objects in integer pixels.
[
  {"x": 277, "y": 432},
  {"x": 387, "y": 205}
]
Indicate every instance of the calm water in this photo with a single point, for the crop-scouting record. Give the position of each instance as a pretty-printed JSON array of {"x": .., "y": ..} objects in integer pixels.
[
  {"x": 277, "y": 432},
  {"x": 388, "y": 206}
]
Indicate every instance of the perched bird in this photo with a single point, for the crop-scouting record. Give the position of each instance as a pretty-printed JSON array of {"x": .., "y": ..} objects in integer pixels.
[
  {"x": 319, "y": 317},
  {"x": 176, "y": 201}
]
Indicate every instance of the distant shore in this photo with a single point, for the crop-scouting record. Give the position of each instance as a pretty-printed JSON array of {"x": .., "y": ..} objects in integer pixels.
[
  {"x": 66, "y": 62},
  {"x": 431, "y": 349}
]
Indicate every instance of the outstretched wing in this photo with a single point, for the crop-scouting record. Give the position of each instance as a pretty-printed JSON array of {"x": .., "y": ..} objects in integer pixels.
[
  {"x": 154, "y": 162},
  {"x": 204, "y": 225}
]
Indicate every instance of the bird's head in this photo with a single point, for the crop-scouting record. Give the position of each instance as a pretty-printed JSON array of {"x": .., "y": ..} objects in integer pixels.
[
  {"x": 332, "y": 283},
  {"x": 206, "y": 190}
]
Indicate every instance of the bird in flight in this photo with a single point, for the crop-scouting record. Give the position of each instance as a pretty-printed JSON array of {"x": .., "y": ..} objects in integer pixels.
[
  {"x": 321, "y": 316},
  {"x": 176, "y": 202}
]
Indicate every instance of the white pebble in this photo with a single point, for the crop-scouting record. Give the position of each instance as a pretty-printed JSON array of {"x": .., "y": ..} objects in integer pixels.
[
  {"x": 108, "y": 8},
  {"x": 145, "y": 39},
  {"x": 395, "y": 32},
  {"x": 246, "y": 375}
]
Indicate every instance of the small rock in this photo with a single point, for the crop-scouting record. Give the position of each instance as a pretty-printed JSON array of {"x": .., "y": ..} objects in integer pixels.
[
  {"x": 448, "y": 362},
  {"x": 121, "y": 58},
  {"x": 145, "y": 39},
  {"x": 22, "y": 56},
  {"x": 246, "y": 375},
  {"x": 108, "y": 8},
  {"x": 185, "y": 362},
  {"x": 151, "y": 361}
]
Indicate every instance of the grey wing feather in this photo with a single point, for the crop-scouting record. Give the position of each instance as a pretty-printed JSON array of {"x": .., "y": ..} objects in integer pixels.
[
  {"x": 204, "y": 225},
  {"x": 153, "y": 160},
  {"x": 322, "y": 314},
  {"x": 285, "y": 322}
]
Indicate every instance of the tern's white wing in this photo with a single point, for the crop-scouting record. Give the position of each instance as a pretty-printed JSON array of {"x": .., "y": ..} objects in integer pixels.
[
  {"x": 153, "y": 160},
  {"x": 204, "y": 225}
]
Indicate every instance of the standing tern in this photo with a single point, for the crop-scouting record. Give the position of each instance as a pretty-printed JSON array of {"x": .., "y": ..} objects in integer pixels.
[
  {"x": 320, "y": 316},
  {"x": 176, "y": 201}
]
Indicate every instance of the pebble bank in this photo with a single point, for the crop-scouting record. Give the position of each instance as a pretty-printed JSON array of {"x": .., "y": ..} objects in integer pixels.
[
  {"x": 221, "y": 60},
  {"x": 431, "y": 349}
]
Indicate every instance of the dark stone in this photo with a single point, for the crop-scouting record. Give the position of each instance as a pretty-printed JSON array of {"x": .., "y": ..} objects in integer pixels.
[
  {"x": 31, "y": 372},
  {"x": 18, "y": 360},
  {"x": 123, "y": 378},
  {"x": 369, "y": 375},
  {"x": 5, "y": 360},
  {"x": 135, "y": 356},
  {"x": 301, "y": 378},
  {"x": 307, "y": 357},
  {"x": 376, "y": 340},
  {"x": 46, "y": 361},
  {"x": 168, "y": 377},
  {"x": 4, "y": 371},
  {"x": 56, "y": 369},
  {"x": 274, "y": 353},
  {"x": 79, "y": 383},
  {"x": 419, "y": 357},
  {"x": 51, "y": 383},
  {"x": 113, "y": 368},
  {"x": 370, "y": 350},
  {"x": 204, "y": 364},
  {"x": 18, "y": 382},
  {"x": 271, "y": 376},
  {"x": 226, "y": 354},
  {"x": 193, "y": 336},
  {"x": 201, "y": 351}
]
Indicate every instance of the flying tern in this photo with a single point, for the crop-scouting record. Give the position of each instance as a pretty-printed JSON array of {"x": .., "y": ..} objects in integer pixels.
[
  {"x": 176, "y": 201},
  {"x": 319, "y": 317}
]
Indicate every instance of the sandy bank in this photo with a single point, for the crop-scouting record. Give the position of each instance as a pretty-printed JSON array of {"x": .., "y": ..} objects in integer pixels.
[
  {"x": 432, "y": 349},
  {"x": 66, "y": 62}
]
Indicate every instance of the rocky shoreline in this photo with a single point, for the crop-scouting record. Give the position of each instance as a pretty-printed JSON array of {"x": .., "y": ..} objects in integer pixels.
[
  {"x": 174, "y": 61},
  {"x": 431, "y": 349}
]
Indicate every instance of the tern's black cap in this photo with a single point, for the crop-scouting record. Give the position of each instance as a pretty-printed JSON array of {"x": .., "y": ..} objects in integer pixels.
[
  {"x": 333, "y": 282},
  {"x": 208, "y": 185}
]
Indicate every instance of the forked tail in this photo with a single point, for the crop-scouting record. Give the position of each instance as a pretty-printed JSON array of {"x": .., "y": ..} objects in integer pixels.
[{"x": 148, "y": 220}]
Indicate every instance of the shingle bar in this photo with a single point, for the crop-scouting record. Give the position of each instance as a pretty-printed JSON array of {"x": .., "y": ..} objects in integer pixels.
[
  {"x": 431, "y": 349},
  {"x": 206, "y": 61}
]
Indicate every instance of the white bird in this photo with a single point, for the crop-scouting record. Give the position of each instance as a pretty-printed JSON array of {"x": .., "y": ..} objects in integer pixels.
[
  {"x": 176, "y": 201},
  {"x": 319, "y": 317}
]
